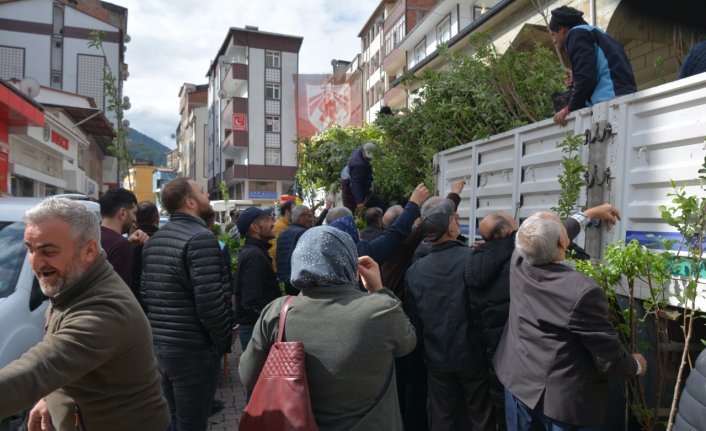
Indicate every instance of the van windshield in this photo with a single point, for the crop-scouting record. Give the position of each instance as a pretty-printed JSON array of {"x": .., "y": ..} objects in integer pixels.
[{"x": 12, "y": 255}]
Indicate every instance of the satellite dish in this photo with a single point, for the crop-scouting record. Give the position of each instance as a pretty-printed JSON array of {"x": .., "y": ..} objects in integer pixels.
[
  {"x": 30, "y": 87},
  {"x": 222, "y": 93}
]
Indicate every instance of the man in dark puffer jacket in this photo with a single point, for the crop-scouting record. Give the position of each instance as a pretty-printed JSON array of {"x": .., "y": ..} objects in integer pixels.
[{"x": 186, "y": 295}]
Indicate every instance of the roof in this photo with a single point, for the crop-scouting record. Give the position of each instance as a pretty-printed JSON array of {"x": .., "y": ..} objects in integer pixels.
[
  {"x": 232, "y": 30},
  {"x": 374, "y": 15}
]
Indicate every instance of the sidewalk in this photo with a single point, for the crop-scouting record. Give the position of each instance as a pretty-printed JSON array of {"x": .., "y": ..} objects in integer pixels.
[{"x": 230, "y": 391}]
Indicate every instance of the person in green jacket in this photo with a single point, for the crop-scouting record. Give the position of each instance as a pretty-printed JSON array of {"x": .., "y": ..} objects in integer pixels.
[{"x": 95, "y": 368}]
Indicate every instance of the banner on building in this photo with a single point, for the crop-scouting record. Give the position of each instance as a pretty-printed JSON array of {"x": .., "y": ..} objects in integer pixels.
[
  {"x": 240, "y": 122},
  {"x": 59, "y": 140},
  {"x": 325, "y": 100}
]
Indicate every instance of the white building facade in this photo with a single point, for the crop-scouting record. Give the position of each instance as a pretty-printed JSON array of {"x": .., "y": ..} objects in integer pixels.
[
  {"x": 252, "y": 124},
  {"x": 47, "y": 41},
  {"x": 192, "y": 133}
]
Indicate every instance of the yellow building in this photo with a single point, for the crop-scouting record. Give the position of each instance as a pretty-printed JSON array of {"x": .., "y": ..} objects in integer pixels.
[{"x": 140, "y": 181}]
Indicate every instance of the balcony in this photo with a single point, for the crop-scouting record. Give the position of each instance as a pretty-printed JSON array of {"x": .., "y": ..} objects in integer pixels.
[
  {"x": 235, "y": 171},
  {"x": 235, "y": 80},
  {"x": 395, "y": 97},
  {"x": 395, "y": 60}
]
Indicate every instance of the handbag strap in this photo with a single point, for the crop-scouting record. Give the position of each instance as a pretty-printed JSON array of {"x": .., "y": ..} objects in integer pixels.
[{"x": 283, "y": 316}]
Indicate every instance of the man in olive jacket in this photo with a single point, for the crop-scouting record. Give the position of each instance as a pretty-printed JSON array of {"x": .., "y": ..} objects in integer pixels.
[
  {"x": 186, "y": 292},
  {"x": 95, "y": 366}
]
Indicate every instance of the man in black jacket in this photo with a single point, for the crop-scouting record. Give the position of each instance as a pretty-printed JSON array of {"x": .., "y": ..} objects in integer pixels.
[
  {"x": 487, "y": 275},
  {"x": 147, "y": 220},
  {"x": 457, "y": 371},
  {"x": 255, "y": 282},
  {"x": 184, "y": 289}
]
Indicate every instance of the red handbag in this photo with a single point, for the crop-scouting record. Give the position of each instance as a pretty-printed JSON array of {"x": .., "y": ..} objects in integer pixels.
[{"x": 280, "y": 400}]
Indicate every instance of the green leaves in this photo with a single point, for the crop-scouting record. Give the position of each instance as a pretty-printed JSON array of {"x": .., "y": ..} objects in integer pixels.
[
  {"x": 472, "y": 97},
  {"x": 571, "y": 178}
]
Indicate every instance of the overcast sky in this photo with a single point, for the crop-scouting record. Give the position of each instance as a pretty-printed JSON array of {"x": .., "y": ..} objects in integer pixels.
[{"x": 173, "y": 42}]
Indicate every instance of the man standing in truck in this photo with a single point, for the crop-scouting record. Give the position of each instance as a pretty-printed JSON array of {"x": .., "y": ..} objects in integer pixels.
[{"x": 600, "y": 69}]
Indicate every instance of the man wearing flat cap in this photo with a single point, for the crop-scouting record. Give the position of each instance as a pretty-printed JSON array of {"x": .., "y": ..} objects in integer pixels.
[
  {"x": 437, "y": 304},
  {"x": 600, "y": 69},
  {"x": 255, "y": 282}
]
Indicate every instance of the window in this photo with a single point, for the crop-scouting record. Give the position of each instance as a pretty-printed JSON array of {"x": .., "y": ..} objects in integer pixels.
[
  {"x": 272, "y": 156},
  {"x": 395, "y": 35},
  {"x": 90, "y": 78},
  {"x": 272, "y": 123},
  {"x": 12, "y": 62},
  {"x": 272, "y": 91},
  {"x": 443, "y": 30},
  {"x": 272, "y": 59},
  {"x": 420, "y": 51},
  {"x": 81, "y": 157}
]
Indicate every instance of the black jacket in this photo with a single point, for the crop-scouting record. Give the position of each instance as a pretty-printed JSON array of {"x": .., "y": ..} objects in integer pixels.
[
  {"x": 437, "y": 302},
  {"x": 692, "y": 404},
  {"x": 488, "y": 279},
  {"x": 137, "y": 264},
  {"x": 286, "y": 242},
  {"x": 361, "y": 176},
  {"x": 255, "y": 281},
  {"x": 184, "y": 287},
  {"x": 600, "y": 67}
]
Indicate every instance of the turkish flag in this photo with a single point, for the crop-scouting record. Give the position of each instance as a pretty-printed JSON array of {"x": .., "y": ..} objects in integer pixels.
[{"x": 240, "y": 122}]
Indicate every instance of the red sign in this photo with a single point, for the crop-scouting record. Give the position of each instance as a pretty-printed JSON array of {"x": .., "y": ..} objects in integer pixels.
[
  {"x": 240, "y": 122},
  {"x": 3, "y": 173},
  {"x": 59, "y": 140}
]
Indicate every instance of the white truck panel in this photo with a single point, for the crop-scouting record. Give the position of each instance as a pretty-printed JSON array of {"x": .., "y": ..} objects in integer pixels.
[{"x": 655, "y": 136}]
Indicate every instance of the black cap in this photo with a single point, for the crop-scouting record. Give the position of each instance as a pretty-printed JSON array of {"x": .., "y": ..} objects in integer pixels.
[
  {"x": 565, "y": 16},
  {"x": 248, "y": 216},
  {"x": 435, "y": 221}
]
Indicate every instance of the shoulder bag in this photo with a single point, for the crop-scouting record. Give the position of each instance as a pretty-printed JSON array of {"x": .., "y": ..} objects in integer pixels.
[{"x": 280, "y": 400}]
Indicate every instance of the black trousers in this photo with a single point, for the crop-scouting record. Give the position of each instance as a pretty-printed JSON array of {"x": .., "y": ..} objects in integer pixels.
[
  {"x": 412, "y": 391},
  {"x": 461, "y": 401}
]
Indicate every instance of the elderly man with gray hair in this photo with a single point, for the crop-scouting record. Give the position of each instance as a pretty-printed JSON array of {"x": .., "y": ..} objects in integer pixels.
[
  {"x": 558, "y": 345},
  {"x": 95, "y": 368}
]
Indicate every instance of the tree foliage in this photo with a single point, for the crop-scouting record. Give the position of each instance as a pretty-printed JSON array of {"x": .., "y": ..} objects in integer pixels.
[
  {"x": 323, "y": 156},
  {"x": 472, "y": 97}
]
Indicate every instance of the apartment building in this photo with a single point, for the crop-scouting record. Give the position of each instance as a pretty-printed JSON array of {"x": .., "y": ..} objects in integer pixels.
[
  {"x": 191, "y": 134},
  {"x": 252, "y": 114},
  {"x": 44, "y": 45}
]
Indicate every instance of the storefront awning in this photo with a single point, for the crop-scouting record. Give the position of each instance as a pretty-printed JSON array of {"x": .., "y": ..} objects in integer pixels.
[
  {"x": 93, "y": 122},
  {"x": 16, "y": 109}
]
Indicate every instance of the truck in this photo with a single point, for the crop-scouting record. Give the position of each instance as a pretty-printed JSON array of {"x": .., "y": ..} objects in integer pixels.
[{"x": 634, "y": 147}]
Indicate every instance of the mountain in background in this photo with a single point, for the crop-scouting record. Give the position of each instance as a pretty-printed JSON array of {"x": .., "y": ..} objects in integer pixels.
[{"x": 143, "y": 147}]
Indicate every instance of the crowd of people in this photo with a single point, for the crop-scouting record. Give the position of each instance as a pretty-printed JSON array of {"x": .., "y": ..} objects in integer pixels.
[
  {"x": 505, "y": 335},
  {"x": 405, "y": 325}
]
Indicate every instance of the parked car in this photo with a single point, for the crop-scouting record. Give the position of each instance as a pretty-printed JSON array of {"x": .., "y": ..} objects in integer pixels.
[{"x": 22, "y": 303}]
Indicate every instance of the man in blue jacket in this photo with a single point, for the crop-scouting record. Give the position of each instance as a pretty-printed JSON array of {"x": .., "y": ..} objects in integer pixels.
[{"x": 600, "y": 69}]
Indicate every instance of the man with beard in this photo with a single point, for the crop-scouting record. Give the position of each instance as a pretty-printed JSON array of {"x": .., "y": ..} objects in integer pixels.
[
  {"x": 95, "y": 367},
  {"x": 184, "y": 292},
  {"x": 255, "y": 282},
  {"x": 118, "y": 212}
]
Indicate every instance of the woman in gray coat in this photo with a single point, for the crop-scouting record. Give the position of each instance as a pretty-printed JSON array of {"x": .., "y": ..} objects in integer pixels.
[{"x": 351, "y": 338}]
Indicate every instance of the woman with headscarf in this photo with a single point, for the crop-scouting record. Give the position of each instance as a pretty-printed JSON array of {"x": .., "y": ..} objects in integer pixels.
[{"x": 351, "y": 338}]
